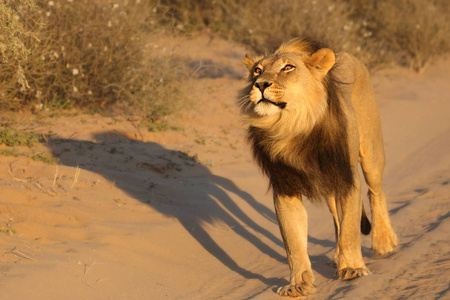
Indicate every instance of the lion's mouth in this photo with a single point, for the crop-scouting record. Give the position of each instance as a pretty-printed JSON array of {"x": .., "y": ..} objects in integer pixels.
[{"x": 279, "y": 104}]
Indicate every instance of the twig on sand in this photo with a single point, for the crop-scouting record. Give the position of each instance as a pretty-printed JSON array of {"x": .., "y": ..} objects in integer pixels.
[
  {"x": 45, "y": 138},
  {"x": 72, "y": 136},
  {"x": 101, "y": 279},
  {"x": 55, "y": 178},
  {"x": 138, "y": 130},
  {"x": 87, "y": 267},
  {"x": 13, "y": 177},
  {"x": 48, "y": 192},
  {"x": 89, "y": 285},
  {"x": 75, "y": 178},
  {"x": 20, "y": 254}
]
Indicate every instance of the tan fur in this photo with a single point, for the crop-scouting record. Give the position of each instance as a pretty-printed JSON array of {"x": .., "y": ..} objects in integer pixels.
[{"x": 293, "y": 83}]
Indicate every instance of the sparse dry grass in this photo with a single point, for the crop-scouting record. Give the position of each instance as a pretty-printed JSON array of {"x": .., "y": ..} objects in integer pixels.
[{"x": 15, "y": 139}]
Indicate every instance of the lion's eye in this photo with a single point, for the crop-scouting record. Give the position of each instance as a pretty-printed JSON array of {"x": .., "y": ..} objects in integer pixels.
[
  {"x": 288, "y": 68},
  {"x": 257, "y": 71}
]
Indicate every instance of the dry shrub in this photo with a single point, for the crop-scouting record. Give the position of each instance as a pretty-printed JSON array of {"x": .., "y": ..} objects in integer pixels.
[
  {"x": 13, "y": 50},
  {"x": 407, "y": 32},
  {"x": 411, "y": 32},
  {"x": 265, "y": 24},
  {"x": 12, "y": 32},
  {"x": 162, "y": 92},
  {"x": 92, "y": 54}
]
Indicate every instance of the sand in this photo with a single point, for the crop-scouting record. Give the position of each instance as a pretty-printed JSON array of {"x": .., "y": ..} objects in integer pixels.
[{"x": 185, "y": 214}]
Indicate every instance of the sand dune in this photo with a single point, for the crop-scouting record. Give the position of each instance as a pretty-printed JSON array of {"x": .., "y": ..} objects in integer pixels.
[{"x": 186, "y": 214}]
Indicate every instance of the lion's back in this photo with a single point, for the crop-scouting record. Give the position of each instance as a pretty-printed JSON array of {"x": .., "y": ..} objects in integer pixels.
[{"x": 356, "y": 88}]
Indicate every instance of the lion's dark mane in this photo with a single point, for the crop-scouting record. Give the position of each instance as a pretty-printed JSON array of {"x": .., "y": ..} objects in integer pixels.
[{"x": 324, "y": 167}]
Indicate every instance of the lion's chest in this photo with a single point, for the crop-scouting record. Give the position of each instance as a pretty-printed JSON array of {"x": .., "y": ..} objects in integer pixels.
[{"x": 311, "y": 166}]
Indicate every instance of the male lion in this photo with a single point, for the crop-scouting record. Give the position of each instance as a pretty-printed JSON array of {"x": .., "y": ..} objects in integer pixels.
[{"x": 312, "y": 116}]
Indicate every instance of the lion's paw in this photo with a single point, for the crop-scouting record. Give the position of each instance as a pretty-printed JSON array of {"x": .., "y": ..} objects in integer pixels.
[
  {"x": 350, "y": 273},
  {"x": 296, "y": 290},
  {"x": 384, "y": 241}
]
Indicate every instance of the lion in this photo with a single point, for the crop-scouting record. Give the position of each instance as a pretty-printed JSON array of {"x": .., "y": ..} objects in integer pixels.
[{"x": 312, "y": 116}]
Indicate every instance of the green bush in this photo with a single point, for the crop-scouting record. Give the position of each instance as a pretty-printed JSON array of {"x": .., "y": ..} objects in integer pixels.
[{"x": 10, "y": 137}]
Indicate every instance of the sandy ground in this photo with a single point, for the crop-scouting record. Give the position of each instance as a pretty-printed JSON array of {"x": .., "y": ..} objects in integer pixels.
[{"x": 185, "y": 214}]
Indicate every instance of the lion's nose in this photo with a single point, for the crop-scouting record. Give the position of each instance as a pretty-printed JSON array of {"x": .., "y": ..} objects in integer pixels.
[{"x": 263, "y": 85}]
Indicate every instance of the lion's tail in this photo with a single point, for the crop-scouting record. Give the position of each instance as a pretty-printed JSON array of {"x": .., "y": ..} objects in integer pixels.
[{"x": 365, "y": 223}]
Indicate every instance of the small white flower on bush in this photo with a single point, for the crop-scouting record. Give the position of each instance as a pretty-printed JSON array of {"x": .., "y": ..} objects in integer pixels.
[
  {"x": 75, "y": 89},
  {"x": 75, "y": 71},
  {"x": 51, "y": 3}
]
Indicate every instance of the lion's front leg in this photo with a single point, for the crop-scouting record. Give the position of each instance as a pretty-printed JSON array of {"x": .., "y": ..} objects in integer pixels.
[
  {"x": 350, "y": 263},
  {"x": 293, "y": 222}
]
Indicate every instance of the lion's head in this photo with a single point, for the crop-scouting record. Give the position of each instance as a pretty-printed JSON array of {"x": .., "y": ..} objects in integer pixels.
[{"x": 287, "y": 91}]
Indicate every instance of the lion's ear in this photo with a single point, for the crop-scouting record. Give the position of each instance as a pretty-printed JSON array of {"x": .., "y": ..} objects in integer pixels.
[
  {"x": 321, "y": 61},
  {"x": 249, "y": 62}
]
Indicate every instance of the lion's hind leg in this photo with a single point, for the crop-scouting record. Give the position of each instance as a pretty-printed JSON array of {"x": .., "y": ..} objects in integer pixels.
[
  {"x": 350, "y": 263},
  {"x": 365, "y": 225},
  {"x": 384, "y": 239},
  {"x": 331, "y": 202},
  {"x": 293, "y": 222}
]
